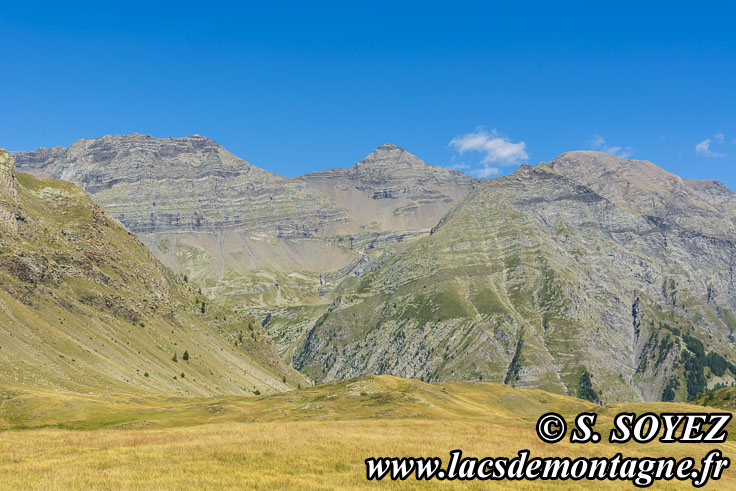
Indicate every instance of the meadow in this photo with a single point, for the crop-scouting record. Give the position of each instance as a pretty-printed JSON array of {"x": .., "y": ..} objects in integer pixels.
[{"x": 316, "y": 438}]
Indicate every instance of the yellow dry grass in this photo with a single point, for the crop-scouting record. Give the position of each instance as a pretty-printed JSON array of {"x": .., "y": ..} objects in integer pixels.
[{"x": 314, "y": 453}]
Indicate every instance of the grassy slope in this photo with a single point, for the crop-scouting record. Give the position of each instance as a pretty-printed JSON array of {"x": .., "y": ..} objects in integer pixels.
[
  {"x": 721, "y": 399},
  {"x": 315, "y": 438},
  {"x": 367, "y": 397},
  {"x": 85, "y": 306}
]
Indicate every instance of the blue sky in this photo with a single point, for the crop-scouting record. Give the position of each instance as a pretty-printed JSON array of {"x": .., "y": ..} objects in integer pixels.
[{"x": 295, "y": 87}]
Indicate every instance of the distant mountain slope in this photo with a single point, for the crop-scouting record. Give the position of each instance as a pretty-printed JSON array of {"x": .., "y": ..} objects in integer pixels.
[
  {"x": 539, "y": 281},
  {"x": 85, "y": 306},
  {"x": 247, "y": 236},
  {"x": 392, "y": 189}
]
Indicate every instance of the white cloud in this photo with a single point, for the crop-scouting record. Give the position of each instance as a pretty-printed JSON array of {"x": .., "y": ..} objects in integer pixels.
[
  {"x": 485, "y": 172},
  {"x": 598, "y": 143},
  {"x": 497, "y": 149},
  {"x": 719, "y": 137},
  {"x": 703, "y": 148}
]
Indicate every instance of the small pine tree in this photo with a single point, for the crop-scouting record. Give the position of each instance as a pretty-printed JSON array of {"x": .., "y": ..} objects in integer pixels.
[
  {"x": 181, "y": 374},
  {"x": 186, "y": 279},
  {"x": 585, "y": 388},
  {"x": 185, "y": 356},
  {"x": 175, "y": 359},
  {"x": 283, "y": 378},
  {"x": 203, "y": 305}
]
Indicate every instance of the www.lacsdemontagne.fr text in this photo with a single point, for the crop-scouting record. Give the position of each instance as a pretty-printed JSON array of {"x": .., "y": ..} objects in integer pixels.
[
  {"x": 642, "y": 472},
  {"x": 551, "y": 428}
]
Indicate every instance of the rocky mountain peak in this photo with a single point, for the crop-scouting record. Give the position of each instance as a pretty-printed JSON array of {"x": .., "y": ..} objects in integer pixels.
[
  {"x": 704, "y": 206},
  {"x": 389, "y": 156},
  {"x": 592, "y": 162},
  {"x": 101, "y": 163},
  {"x": 392, "y": 189}
]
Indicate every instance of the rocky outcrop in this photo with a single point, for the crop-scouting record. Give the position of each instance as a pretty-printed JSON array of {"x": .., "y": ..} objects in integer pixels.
[
  {"x": 8, "y": 192},
  {"x": 7, "y": 176}
]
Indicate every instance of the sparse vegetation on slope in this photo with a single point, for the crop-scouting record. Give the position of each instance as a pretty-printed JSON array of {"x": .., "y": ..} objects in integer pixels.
[{"x": 85, "y": 306}]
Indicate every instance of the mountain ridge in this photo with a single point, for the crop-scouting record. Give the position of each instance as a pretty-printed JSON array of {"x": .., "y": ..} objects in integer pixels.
[{"x": 533, "y": 279}]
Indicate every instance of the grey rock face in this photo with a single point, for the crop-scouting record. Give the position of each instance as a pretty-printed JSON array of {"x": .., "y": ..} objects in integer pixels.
[{"x": 392, "y": 189}]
